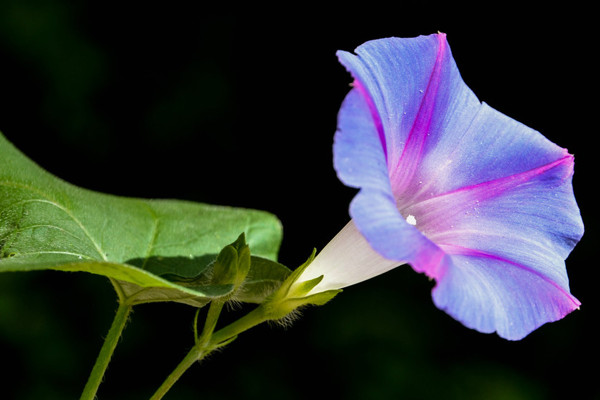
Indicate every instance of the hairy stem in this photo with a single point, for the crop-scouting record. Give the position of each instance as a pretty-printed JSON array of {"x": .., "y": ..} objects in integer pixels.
[
  {"x": 95, "y": 378},
  {"x": 195, "y": 354},
  {"x": 210, "y": 341},
  {"x": 250, "y": 320},
  {"x": 214, "y": 311}
]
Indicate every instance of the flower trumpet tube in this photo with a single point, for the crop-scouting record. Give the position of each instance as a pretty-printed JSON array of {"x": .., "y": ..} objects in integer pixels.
[
  {"x": 462, "y": 193},
  {"x": 346, "y": 260}
]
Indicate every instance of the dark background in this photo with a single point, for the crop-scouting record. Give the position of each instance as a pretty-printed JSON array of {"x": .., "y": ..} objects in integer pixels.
[{"x": 171, "y": 101}]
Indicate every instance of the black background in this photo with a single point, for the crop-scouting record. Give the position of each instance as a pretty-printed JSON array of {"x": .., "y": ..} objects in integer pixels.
[{"x": 239, "y": 108}]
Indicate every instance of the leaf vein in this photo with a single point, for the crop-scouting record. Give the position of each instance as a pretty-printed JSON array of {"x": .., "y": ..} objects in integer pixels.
[
  {"x": 24, "y": 228},
  {"x": 153, "y": 237},
  {"x": 69, "y": 214},
  {"x": 69, "y": 253}
]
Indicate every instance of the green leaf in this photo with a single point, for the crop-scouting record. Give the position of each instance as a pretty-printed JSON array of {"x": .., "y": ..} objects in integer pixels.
[{"x": 142, "y": 245}]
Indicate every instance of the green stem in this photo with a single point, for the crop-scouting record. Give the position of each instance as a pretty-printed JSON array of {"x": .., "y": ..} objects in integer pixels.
[
  {"x": 209, "y": 341},
  {"x": 214, "y": 311},
  {"x": 250, "y": 320},
  {"x": 194, "y": 355},
  {"x": 91, "y": 387}
]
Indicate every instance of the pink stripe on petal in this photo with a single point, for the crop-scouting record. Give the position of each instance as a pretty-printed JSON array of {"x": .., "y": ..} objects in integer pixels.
[
  {"x": 402, "y": 171},
  {"x": 437, "y": 210},
  {"x": 491, "y": 295},
  {"x": 496, "y": 187},
  {"x": 374, "y": 114},
  {"x": 459, "y": 250}
]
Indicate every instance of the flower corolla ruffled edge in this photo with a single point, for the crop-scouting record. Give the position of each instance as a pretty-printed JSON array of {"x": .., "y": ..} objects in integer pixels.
[{"x": 472, "y": 198}]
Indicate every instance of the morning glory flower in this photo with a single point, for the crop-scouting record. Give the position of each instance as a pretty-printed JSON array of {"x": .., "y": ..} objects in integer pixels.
[{"x": 475, "y": 200}]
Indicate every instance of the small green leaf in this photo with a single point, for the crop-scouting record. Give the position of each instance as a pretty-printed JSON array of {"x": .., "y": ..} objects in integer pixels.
[
  {"x": 303, "y": 288},
  {"x": 147, "y": 247},
  {"x": 286, "y": 286},
  {"x": 317, "y": 299}
]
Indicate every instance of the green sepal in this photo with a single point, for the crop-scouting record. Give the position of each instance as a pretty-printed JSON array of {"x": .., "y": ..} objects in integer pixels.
[
  {"x": 284, "y": 290},
  {"x": 232, "y": 264},
  {"x": 244, "y": 262},
  {"x": 291, "y": 296},
  {"x": 302, "y": 289},
  {"x": 225, "y": 266},
  {"x": 317, "y": 299}
]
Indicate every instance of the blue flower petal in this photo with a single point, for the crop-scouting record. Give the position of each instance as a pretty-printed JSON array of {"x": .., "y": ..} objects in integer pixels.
[
  {"x": 491, "y": 199},
  {"x": 506, "y": 241},
  {"x": 492, "y": 294}
]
